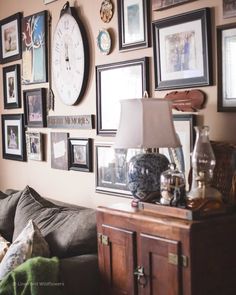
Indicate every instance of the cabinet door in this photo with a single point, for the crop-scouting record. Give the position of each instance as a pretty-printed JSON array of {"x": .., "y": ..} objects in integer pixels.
[
  {"x": 117, "y": 260},
  {"x": 160, "y": 259}
]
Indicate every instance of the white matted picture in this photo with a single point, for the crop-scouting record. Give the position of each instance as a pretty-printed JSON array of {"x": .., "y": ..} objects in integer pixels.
[
  {"x": 10, "y": 40},
  {"x": 182, "y": 50},
  {"x": 112, "y": 169},
  {"x": 59, "y": 150},
  {"x": 13, "y": 137},
  {"x": 11, "y": 87},
  {"x": 133, "y": 22},
  {"x": 34, "y": 143}
]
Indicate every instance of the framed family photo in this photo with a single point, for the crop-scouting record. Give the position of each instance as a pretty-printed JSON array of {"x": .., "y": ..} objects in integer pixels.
[
  {"x": 11, "y": 87},
  {"x": 226, "y": 36},
  {"x": 114, "y": 82},
  {"x": 112, "y": 169},
  {"x": 10, "y": 41},
  {"x": 133, "y": 23},
  {"x": 13, "y": 137},
  {"x": 163, "y": 4},
  {"x": 80, "y": 154},
  {"x": 59, "y": 150},
  {"x": 35, "y": 107},
  {"x": 34, "y": 143},
  {"x": 182, "y": 50},
  {"x": 35, "y": 48},
  {"x": 229, "y": 8}
]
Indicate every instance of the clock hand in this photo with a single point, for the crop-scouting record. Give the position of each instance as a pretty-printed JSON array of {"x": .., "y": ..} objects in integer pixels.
[{"x": 67, "y": 57}]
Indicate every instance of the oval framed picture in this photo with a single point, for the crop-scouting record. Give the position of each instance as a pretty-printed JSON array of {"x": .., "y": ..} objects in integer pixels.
[{"x": 104, "y": 41}]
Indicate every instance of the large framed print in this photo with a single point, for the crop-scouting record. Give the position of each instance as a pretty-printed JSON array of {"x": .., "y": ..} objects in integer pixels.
[
  {"x": 114, "y": 82},
  {"x": 11, "y": 87},
  {"x": 226, "y": 40},
  {"x": 10, "y": 42},
  {"x": 163, "y": 4},
  {"x": 13, "y": 137},
  {"x": 80, "y": 154},
  {"x": 133, "y": 23},
  {"x": 229, "y": 8},
  {"x": 184, "y": 126},
  {"x": 112, "y": 169},
  {"x": 35, "y": 107},
  {"x": 35, "y": 48},
  {"x": 182, "y": 50}
]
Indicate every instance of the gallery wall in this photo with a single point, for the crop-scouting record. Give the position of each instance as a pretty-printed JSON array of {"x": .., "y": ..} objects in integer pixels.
[{"x": 76, "y": 186}]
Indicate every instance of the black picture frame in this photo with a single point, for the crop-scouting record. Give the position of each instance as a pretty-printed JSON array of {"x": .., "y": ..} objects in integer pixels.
[
  {"x": 114, "y": 82},
  {"x": 80, "y": 154},
  {"x": 226, "y": 97},
  {"x": 182, "y": 50},
  {"x": 133, "y": 24},
  {"x": 10, "y": 41},
  {"x": 35, "y": 62},
  {"x": 112, "y": 169},
  {"x": 160, "y": 4},
  {"x": 13, "y": 137},
  {"x": 12, "y": 87},
  {"x": 35, "y": 107}
]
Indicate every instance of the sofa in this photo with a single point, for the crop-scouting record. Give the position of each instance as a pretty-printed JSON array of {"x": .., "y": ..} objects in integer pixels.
[{"x": 69, "y": 230}]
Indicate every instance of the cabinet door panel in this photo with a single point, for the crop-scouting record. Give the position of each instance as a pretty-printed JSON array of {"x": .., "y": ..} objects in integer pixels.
[
  {"x": 160, "y": 259},
  {"x": 118, "y": 261}
]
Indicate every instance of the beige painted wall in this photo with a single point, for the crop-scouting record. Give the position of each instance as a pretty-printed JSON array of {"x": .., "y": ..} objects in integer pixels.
[{"x": 79, "y": 187}]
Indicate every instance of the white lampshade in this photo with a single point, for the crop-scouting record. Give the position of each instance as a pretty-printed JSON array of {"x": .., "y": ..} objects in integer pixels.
[{"x": 146, "y": 123}]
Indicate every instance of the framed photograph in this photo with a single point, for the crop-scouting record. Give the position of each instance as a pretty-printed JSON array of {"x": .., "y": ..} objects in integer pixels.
[
  {"x": 80, "y": 154},
  {"x": 163, "y": 4},
  {"x": 114, "y": 82},
  {"x": 34, "y": 143},
  {"x": 182, "y": 50},
  {"x": 59, "y": 150},
  {"x": 133, "y": 23},
  {"x": 35, "y": 107},
  {"x": 184, "y": 126},
  {"x": 229, "y": 8},
  {"x": 112, "y": 169},
  {"x": 35, "y": 48},
  {"x": 10, "y": 42},
  {"x": 48, "y": 1},
  {"x": 11, "y": 87},
  {"x": 226, "y": 36},
  {"x": 13, "y": 137}
]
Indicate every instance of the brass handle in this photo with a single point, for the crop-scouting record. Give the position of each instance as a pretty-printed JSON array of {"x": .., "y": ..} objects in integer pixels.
[{"x": 141, "y": 277}]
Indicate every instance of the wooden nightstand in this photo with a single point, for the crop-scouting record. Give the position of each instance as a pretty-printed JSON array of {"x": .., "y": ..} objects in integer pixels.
[{"x": 145, "y": 253}]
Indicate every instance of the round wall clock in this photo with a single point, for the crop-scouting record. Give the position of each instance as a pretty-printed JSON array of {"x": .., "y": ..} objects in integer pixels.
[{"x": 70, "y": 57}]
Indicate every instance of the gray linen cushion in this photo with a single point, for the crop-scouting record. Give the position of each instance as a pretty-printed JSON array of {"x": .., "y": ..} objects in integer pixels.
[
  {"x": 7, "y": 212},
  {"x": 68, "y": 231}
]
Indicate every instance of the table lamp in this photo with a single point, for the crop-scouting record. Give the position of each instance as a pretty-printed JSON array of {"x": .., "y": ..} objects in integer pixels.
[{"x": 146, "y": 123}]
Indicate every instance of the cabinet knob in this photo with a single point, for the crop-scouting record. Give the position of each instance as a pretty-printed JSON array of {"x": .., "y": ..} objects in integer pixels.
[{"x": 141, "y": 277}]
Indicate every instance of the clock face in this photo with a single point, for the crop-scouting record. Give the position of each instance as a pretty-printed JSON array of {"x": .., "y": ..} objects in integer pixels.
[{"x": 68, "y": 60}]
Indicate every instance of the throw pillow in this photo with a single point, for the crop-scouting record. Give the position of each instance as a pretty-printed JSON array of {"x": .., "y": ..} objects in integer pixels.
[
  {"x": 30, "y": 243},
  {"x": 4, "y": 245},
  {"x": 7, "y": 212},
  {"x": 68, "y": 231}
]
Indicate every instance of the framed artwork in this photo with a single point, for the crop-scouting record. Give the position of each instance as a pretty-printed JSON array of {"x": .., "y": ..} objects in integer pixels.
[
  {"x": 184, "y": 125},
  {"x": 59, "y": 150},
  {"x": 34, "y": 143},
  {"x": 133, "y": 23},
  {"x": 35, "y": 107},
  {"x": 226, "y": 37},
  {"x": 114, "y": 82},
  {"x": 182, "y": 50},
  {"x": 163, "y": 4},
  {"x": 11, "y": 87},
  {"x": 10, "y": 42},
  {"x": 112, "y": 169},
  {"x": 35, "y": 48},
  {"x": 229, "y": 8},
  {"x": 13, "y": 137},
  {"x": 48, "y": 1},
  {"x": 80, "y": 154}
]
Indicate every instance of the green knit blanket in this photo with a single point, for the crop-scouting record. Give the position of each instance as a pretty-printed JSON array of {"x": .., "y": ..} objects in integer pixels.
[{"x": 36, "y": 276}]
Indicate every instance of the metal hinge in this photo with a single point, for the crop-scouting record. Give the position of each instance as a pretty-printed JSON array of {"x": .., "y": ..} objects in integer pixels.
[
  {"x": 103, "y": 239},
  {"x": 174, "y": 259}
]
